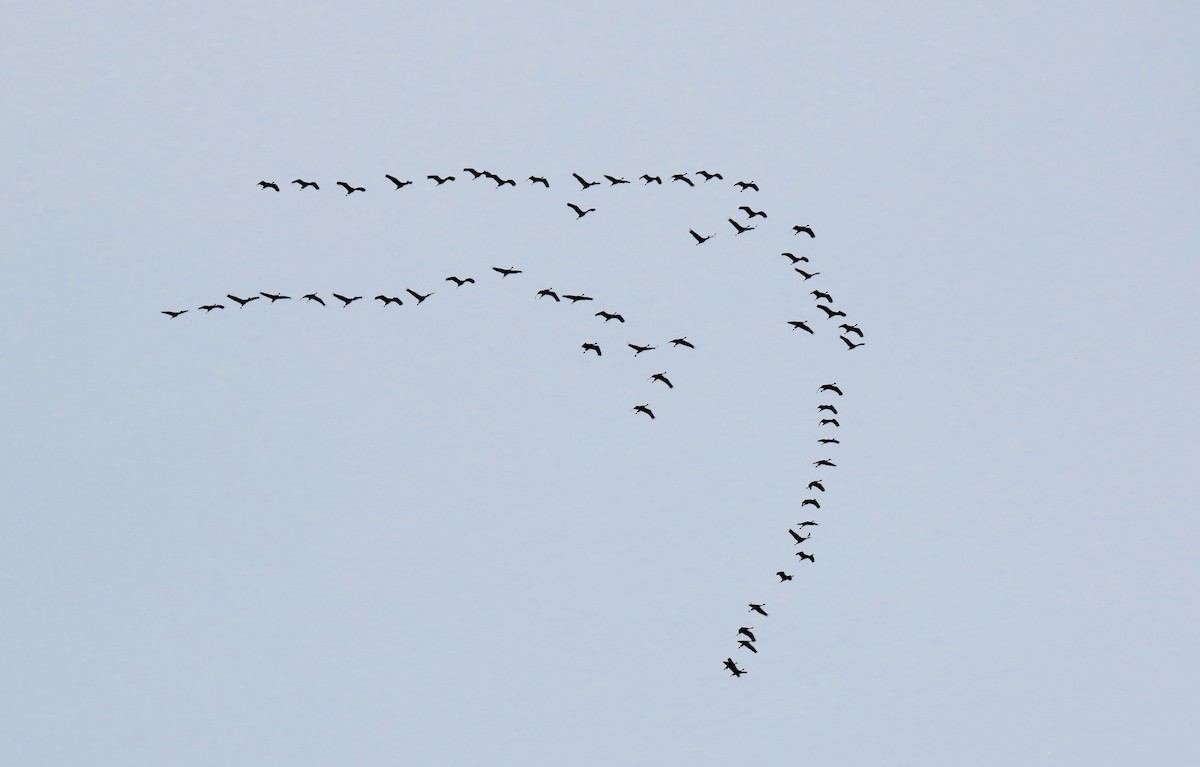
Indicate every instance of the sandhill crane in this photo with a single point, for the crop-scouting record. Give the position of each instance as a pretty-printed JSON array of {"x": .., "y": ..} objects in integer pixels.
[
  {"x": 662, "y": 377},
  {"x": 817, "y": 294},
  {"x": 474, "y": 173},
  {"x": 639, "y": 349},
  {"x": 584, "y": 182},
  {"x": 269, "y": 185},
  {"x": 830, "y": 313},
  {"x": 439, "y": 179},
  {"x": 594, "y": 348},
  {"x": 747, "y": 631},
  {"x": 682, "y": 342},
  {"x": 829, "y": 408},
  {"x": 709, "y": 176},
  {"x": 576, "y": 299},
  {"x": 851, "y": 329},
  {"x": 350, "y": 189},
  {"x": 806, "y": 275},
  {"x": 505, "y": 272},
  {"x": 609, "y": 316},
  {"x": 701, "y": 240},
  {"x": 833, "y": 387},
  {"x": 314, "y": 297},
  {"x": 548, "y": 292},
  {"x": 399, "y": 184},
  {"x": 816, "y": 485},
  {"x": 648, "y": 178},
  {"x": 389, "y": 300},
  {"x": 804, "y": 556},
  {"x": 833, "y": 421},
  {"x": 241, "y": 301},
  {"x": 748, "y": 645},
  {"x": 539, "y": 180},
  {"x": 489, "y": 174},
  {"x": 807, "y": 523},
  {"x": 750, "y": 212},
  {"x": 305, "y": 184},
  {"x": 741, "y": 228},
  {"x": 682, "y": 177},
  {"x": 806, "y": 229},
  {"x": 579, "y": 212},
  {"x": 783, "y": 576},
  {"x": 829, "y": 441},
  {"x": 794, "y": 258},
  {"x": 505, "y": 182},
  {"x": 850, "y": 344},
  {"x": 420, "y": 298},
  {"x": 811, "y": 502},
  {"x": 746, "y": 185},
  {"x": 614, "y": 181},
  {"x": 209, "y": 307},
  {"x": 824, "y": 462},
  {"x": 173, "y": 315},
  {"x": 346, "y": 301},
  {"x": 644, "y": 409},
  {"x": 797, "y": 537},
  {"x": 460, "y": 282},
  {"x": 757, "y": 608},
  {"x": 274, "y": 296},
  {"x": 733, "y": 669},
  {"x": 798, "y": 325}
]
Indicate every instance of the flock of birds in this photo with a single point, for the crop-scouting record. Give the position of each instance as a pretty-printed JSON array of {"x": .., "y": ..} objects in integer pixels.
[{"x": 850, "y": 334}]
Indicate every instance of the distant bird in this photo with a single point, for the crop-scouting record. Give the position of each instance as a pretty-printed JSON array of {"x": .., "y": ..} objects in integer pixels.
[
  {"x": 682, "y": 342},
  {"x": 274, "y": 297},
  {"x": 758, "y": 608},
  {"x": 797, "y": 537},
  {"x": 576, "y": 299},
  {"x": 747, "y": 631},
  {"x": 830, "y": 313},
  {"x": 644, "y": 409},
  {"x": 746, "y": 185},
  {"x": 783, "y": 576},
  {"x": 420, "y": 298},
  {"x": 305, "y": 184},
  {"x": 639, "y": 349},
  {"x": 345, "y": 301},
  {"x": 806, "y": 229},
  {"x": 850, "y": 344},
  {"x": 584, "y": 182},
  {"x": 701, "y": 240},
  {"x": 579, "y": 212},
  {"x": 614, "y": 181},
  {"x": 662, "y": 377},
  {"x": 389, "y": 300},
  {"x": 816, "y": 485},
  {"x": 829, "y": 441},
  {"x": 808, "y": 523},
  {"x": 795, "y": 259},
  {"x": 709, "y": 176},
  {"x": 461, "y": 282},
  {"x": 209, "y": 307},
  {"x": 608, "y": 316},
  {"x": 747, "y": 644},
  {"x": 833, "y": 421},
  {"x": 241, "y": 301},
  {"x": 504, "y": 182},
  {"x": 824, "y": 462},
  {"x": 350, "y": 189},
  {"x": 592, "y": 347},
  {"x": 741, "y": 228},
  {"x": 819, "y": 295},
  {"x": 751, "y": 213},
  {"x": 682, "y": 177},
  {"x": 440, "y": 180},
  {"x": 314, "y": 297},
  {"x": 811, "y": 502},
  {"x": 809, "y": 557},
  {"x": 489, "y": 174},
  {"x": 548, "y": 292},
  {"x": 474, "y": 173},
  {"x": 733, "y": 669},
  {"x": 539, "y": 180},
  {"x": 851, "y": 329},
  {"x": 173, "y": 315},
  {"x": 829, "y": 408},
  {"x": 505, "y": 272},
  {"x": 798, "y": 325},
  {"x": 399, "y": 184},
  {"x": 806, "y": 275},
  {"x": 833, "y": 387},
  {"x": 269, "y": 185},
  {"x": 648, "y": 178}
]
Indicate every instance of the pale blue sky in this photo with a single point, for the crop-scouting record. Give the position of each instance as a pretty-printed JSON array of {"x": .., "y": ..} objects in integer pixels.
[{"x": 287, "y": 535}]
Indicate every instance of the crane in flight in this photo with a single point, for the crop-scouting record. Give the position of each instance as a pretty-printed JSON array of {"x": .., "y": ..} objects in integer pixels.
[
  {"x": 744, "y": 185},
  {"x": 740, "y": 229},
  {"x": 850, "y": 344},
  {"x": 505, "y": 272},
  {"x": 269, "y": 185},
  {"x": 806, "y": 229},
  {"x": 173, "y": 315},
  {"x": 399, "y": 184},
  {"x": 798, "y": 325},
  {"x": 648, "y": 178},
  {"x": 548, "y": 292},
  {"x": 314, "y": 297},
  {"x": 350, "y": 189},
  {"x": 783, "y": 576},
  {"x": 441, "y": 180},
  {"x": 592, "y": 347},
  {"x": 209, "y": 307},
  {"x": 661, "y": 377},
  {"x": 751, "y": 212},
  {"x": 274, "y": 296},
  {"x": 460, "y": 282},
  {"x": 682, "y": 342},
  {"x": 610, "y": 316},
  {"x": 305, "y": 184},
  {"x": 701, "y": 240},
  {"x": 345, "y": 301},
  {"x": 639, "y": 349},
  {"x": 794, "y": 258},
  {"x": 241, "y": 301},
  {"x": 682, "y": 177},
  {"x": 833, "y": 387},
  {"x": 644, "y": 409},
  {"x": 579, "y": 212},
  {"x": 757, "y": 608},
  {"x": 709, "y": 176},
  {"x": 584, "y": 182},
  {"x": 420, "y": 298},
  {"x": 539, "y": 180}
]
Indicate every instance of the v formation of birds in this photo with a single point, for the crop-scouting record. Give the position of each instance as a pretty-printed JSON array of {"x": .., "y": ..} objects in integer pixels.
[{"x": 828, "y": 412}]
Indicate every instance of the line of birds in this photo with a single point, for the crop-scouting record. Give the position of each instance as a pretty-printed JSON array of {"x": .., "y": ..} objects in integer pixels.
[{"x": 500, "y": 181}]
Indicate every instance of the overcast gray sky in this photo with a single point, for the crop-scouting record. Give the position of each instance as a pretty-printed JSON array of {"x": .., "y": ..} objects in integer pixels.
[{"x": 293, "y": 535}]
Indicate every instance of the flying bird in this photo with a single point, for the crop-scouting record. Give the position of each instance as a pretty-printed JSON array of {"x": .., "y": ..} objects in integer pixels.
[
  {"x": 209, "y": 307},
  {"x": 548, "y": 292},
  {"x": 662, "y": 377},
  {"x": 420, "y": 298},
  {"x": 806, "y": 275},
  {"x": 269, "y": 185},
  {"x": 806, "y": 229},
  {"x": 389, "y": 300},
  {"x": 808, "y": 523},
  {"x": 748, "y": 632},
  {"x": 579, "y": 212},
  {"x": 748, "y": 645},
  {"x": 574, "y": 299},
  {"x": 644, "y": 409},
  {"x": 350, "y": 189},
  {"x": 829, "y": 408},
  {"x": 783, "y": 576},
  {"x": 314, "y": 297},
  {"x": 746, "y": 185},
  {"x": 399, "y": 184},
  {"x": 173, "y": 315},
  {"x": 504, "y": 182},
  {"x": 648, "y": 178},
  {"x": 850, "y": 344},
  {"x": 798, "y": 325},
  {"x": 274, "y": 297},
  {"x": 441, "y": 180},
  {"x": 539, "y": 180},
  {"x": 795, "y": 259},
  {"x": 833, "y": 387},
  {"x": 851, "y": 329},
  {"x": 824, "y": 462},
  {"x": 729, "y": 664},
  {"x": 682, "y": 342},
  {"x": 758, "y": 608},
  {"x": 474, "y": 173},
  {"x": 811, "y": 502},
  {"x": 682, "y": 177},
  {"x": 797, "y": 537},
  {"x": 460, "y": 282},
  {"x": 345, "y": 301},
  {"x": 639, "y": 349},
  {"x": 830, "y": 313},
  {"x": 701, "y": 240},
  {"x": 809, "y": 557},
  {"x": 750, "y": 212},
  {"x": 614, "y": 181},
  {"x": 741, "y": 228},
  {"x": 709, "y": 176},
  {"x": 608, "y": 316},
  {"x": 305, "y": 184},
  {"x": 505, "y": 272},
  {"x": 829, "y": 441},
  {"x": 833, "y": 421},
  {"x": 816, "y": 485},
  {"x": 241, "y": 301},
  {"x": 819, "y": 295},
  {"x": 584, "y": 182},
  {"x": 592, "y": 347}
]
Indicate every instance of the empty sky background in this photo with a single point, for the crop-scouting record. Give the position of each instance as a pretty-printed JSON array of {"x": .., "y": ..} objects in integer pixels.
[{"x": 294, "y": 535}]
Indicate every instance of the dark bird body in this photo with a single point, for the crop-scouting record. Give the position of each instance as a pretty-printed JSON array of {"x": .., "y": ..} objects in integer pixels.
[
  {"x": 747, "y": 631},
  {"x": 806, "y": 275},
  {"x": 579, "y": 212},
  {"x": 314, "y": 297},
  {"x": 584, "y": 182},
  {"x": 539, "y": 180},
  {"x": 816, "y": 485},
  {"x": 757, "y": 608},
  {"x": 576, "y": 299},
  {"x": 682, "y": 342},
  {"x": 794, "y": 258},
  {"x": 346, "y": 301},
  {"x": 440, "y": 180},
  {"x": 830, "y": 313},
  {"x": 751, "y": 213},
  {"x": 806, "y": 229},
  {"x": 644, "y": 409},
  {"x": 662, "y": 377},
  {"x": 824, "y": 462},
  {"x": 274, "y": 296},
  {"x": 709, "y": 176},
  {"x": 701, "y": 240},
  {"x": 820, "y": 295},
  {"x": 809, "y": 557},
  {"x": 241, "y": 301},
  {"x": 269, "y": 185},
  {"x": 851, "y": 329},
  {"x": 305, "y": 184},
  {"x": 420, "y": 298},
  {"x": 609, "y": 316},
  {"x": 614, "y": 181},
  {"x": 389, "y": 300},
  {"x": 648, "y": 178},
  {"x": 810, "y": 502},
  {"x": 833, "y": 387},
  {"x": 505, "y": 272},
  {"x": 350, "y": 189},
  {"x": 733, "y": 669},
  {"x": 548, "y": 292},
  {"x": 639, "y": 349},
  {"x": 797, "y": 537},
  {"x": 741, "y": 228},
  {"x": 783, "y": 576},
  {"x": 798, "y": 325},
  {"x": 209, "y": 307},
  {"x": 592, "y": 347},
  {"x": 744, "y": 185},
  {"x": 834, "y": 421},
  {"x": 747, "y": 644},
  {"x": 399, "y": 184},
  {"x": 173, "y": 315},
  {"x": 460, "y": 282},
  {"x": 682, "y": 177},
  {"x": 850, "y": 344}
]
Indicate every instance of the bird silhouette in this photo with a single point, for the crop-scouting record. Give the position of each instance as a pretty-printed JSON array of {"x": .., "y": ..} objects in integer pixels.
[
  {"x": 314, "y": 297},
  {"x": 579, "y": 212},
  {"x": 741, "y": 228},
  {"x": 474, "y": 173},
  {"x": 851, "y": 329},
  {"x": 648, "y": 178},
  {"x": 757, "y": 608},
  {"x": 827, "y": 408},
  {"x": 614, "y": 181},
  {"x": 682, "y": 342},
  {"x": 748, "y": 645},
  {"x": 548, "y": 292},
  {"x": 824, "y": 462},
  {"x": 750, "y": 212},
  {"x": 833, "y": 387},
  {"x": 804, "y": 556},
  {"x": 746, "y": 185},
  {"x": 350, "y": 189},
  {"x": 639, "y": 349},
  {"x": 584, "y": 182},
  {"x": 305, "y": 184},
  {"x": 209, "y": 307},
  {"x": 819, "y": 295},
  {"x": 807, "y": 523},
  {"x": 389, "y": 300},
  {"x": 850, "y": 344},
  {"x": 539, "y": 180},
  {"x": 644, "y": 409},
  {"x": 701, "y": 240},
  {"x": 816, "y": 485},
  {"x": 440, "y": 180},
  {"x": 733, "y": 669},
  {"x": 747, "y": 631},
  {"x": 829, "y": 441},
  {"x": 709, "y": 176},
  {"x": 241, "y": 301},
  {"x": 830, "y": 313},
  {"x": 797, "y": 537},
  {"x": 269, "y": 185},
  {"x": 795, "y": 259},
  {"x": 662, "y": 377},
  {"x": 798, "y": 325},
  {"x": 399, "y": 184},
  {"x": 806, "y": 275},
  {"x": 504, "y": 182},
  {"x": 461, "y": 282},
  {"x": 593, "y": 347},
  {"x": 833, "y": 421},
  {"x": 682, "y": 177},
  {"x": 783, "y": 576},
  {"x": 806, "y": 229},
  {"x": 576, "y": 299},
  {"x": 173, "y": 315},
  {"x": 505, "y": 272},
  {"x": 274, "y": 296},
  {"x": 346, "y": 301},
  {"x": 420, "y": 298},
  {"x": 811, "y": 502},
  {"x": 608, "y": 316}
]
